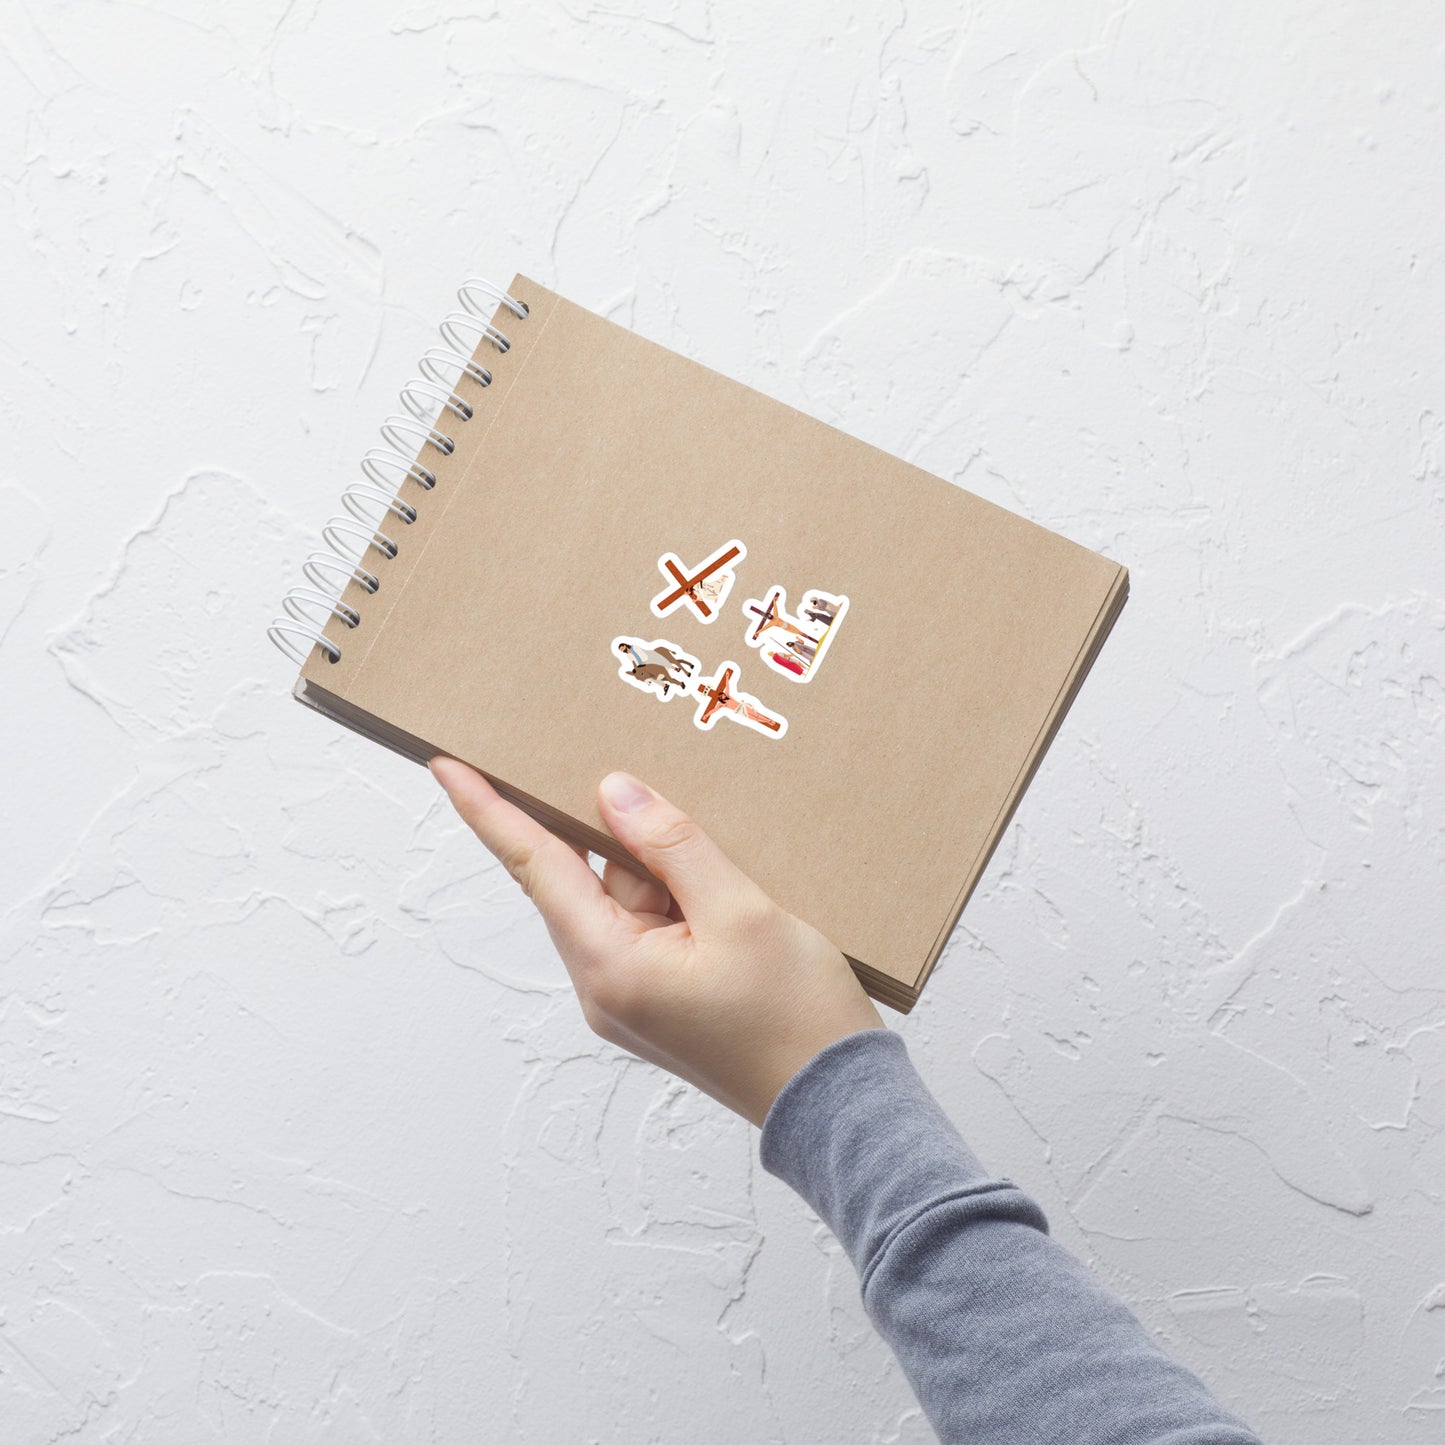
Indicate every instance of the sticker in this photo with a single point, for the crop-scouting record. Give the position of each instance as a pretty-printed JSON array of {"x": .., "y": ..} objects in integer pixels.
[
  {"x": 702, "y": 589},
  {"x": 794, "y": 646},
  {"x": 659, "y": 667},
  {"x": 719, "y": 697}
]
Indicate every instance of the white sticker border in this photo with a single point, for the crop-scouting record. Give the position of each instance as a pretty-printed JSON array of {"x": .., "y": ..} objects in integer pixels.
[
  {"x": 654, "y": 686},
  {"x": 738, "y": 714},
  {"x": 733, "y": 550},
  {"x": 755, "y": 607}
]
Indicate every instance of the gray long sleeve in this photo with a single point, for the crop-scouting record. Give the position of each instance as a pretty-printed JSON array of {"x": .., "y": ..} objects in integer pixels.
[{"x": 1003, "y": 1334}]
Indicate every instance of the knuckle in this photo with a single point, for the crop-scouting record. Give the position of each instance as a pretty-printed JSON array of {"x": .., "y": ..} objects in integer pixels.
[
  {"x": 526, "y": 863},
  {"x": 517, "y": 860},
  {"x": 756, "y": 917},
  {"x": 675, "y": 834}
]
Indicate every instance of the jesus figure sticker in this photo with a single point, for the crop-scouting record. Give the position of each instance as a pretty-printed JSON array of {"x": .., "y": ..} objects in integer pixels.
[
  {"x": 700, "y": 590},
  {"x": 719, "y": 697},
  {"x": 794, "y": 646},
  {"x": 659, "y": 667}
]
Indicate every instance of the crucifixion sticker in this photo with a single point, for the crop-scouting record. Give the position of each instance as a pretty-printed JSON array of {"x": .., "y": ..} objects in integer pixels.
[
  {"x": 794, "y": 646},
  {"x": 718, "y": 698}
]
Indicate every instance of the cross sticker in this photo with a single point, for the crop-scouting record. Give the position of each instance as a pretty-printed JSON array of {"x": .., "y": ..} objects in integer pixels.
[
  {"x": 703, "y": 588},
  {"x": 794, "y": 646},
  {"x": 719, "y": 699}
]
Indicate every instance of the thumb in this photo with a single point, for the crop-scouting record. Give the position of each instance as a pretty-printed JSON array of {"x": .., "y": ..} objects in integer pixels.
[{"x": 705, "y": 882}]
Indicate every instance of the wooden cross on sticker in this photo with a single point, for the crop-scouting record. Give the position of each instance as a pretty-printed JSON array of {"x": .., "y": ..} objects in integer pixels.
[
  {"x": 719, "y": 699},
  {"x": 704, "y": 588}
]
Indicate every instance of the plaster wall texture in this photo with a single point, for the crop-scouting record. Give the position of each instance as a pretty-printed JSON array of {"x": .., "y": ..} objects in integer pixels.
[{"x": 303, "y": 1138}]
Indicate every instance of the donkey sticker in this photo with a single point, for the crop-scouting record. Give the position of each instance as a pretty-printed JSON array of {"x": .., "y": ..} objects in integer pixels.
[{"x": 659, "y": 667}]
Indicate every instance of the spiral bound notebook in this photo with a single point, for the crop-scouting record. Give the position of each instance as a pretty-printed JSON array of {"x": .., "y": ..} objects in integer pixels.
[{"x": 579, "y": 551}]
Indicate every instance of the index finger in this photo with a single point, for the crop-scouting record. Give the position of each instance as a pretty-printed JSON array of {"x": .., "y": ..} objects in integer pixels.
[{"x": 567, "y": 893}]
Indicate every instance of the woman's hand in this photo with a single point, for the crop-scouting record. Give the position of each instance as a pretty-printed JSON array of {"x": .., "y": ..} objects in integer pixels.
[{"x": 702, "y": 973}]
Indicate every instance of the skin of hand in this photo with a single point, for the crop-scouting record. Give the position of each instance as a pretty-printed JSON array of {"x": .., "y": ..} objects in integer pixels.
[{"x": 700, "y": 973}]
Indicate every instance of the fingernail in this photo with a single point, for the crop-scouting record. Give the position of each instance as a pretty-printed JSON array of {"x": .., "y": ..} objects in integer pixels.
[{"x": 625, "y": 793}]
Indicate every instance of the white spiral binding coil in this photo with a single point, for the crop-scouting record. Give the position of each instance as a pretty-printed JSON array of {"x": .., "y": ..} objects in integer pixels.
[
  {"x": 378, "y": 458},
  {"x": 439, "y": 356},
  {"x": 397, "y": 427},
  {"x": 431, "y": 393},
  {"x": 455, "y": 322},
  {"x": 518, "y": 309},
  {"x": 316, "y": 566},
  {"x": 301, "y": 602},
  {"x": 376, "y": 501},
  {"x": 362, "y": 499}
]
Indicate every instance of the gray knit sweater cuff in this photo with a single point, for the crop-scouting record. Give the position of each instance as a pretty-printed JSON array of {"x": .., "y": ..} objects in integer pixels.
[{"x": 856, "y": 1132}]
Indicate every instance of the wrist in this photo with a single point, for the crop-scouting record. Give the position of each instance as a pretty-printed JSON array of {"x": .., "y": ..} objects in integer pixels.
[{"x": 800, "y": 1050}]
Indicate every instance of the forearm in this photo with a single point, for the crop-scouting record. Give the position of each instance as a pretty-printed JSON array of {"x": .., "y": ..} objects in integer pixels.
[{"x": 1003, "y": 1334}]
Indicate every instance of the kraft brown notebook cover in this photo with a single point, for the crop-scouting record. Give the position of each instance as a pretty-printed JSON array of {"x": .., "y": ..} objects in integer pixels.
[{"x": 852, "y": 700}]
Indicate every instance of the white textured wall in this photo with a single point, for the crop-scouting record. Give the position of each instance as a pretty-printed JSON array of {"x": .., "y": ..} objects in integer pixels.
[{"x": 303, "y": 1139}]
